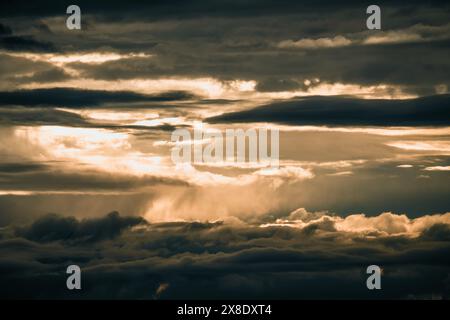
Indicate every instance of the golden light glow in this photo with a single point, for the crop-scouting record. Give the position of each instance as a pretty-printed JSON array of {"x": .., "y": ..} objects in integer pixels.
[
  {"x": 214, "y": 89},
  {"x": 89, "y": 57},
  {"x": 442, "y": 146},
  {"x": 385, "y": 224}
]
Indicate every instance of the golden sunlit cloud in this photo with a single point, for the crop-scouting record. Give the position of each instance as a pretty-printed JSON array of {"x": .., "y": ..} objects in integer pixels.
[
  {"x": 393, "y": 37},
  {"x": 385, "y": 224},
  {"x": 440, "y": 146},
  {"x": 63, "y": 60},
  {"x": 215, "y": 89},
  {"x": 89, "y": 57},
  {"x": 438, "y": 168},
  {"x": 338, "y": 41}
]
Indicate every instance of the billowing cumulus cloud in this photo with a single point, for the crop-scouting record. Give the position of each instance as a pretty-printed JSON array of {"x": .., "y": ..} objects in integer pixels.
[
  {"x": 158, "y": 260},
  {"x": 385, "y": 224}
]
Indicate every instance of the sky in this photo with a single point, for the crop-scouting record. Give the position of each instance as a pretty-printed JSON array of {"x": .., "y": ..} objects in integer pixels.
[{"x": 87, "y": 177}]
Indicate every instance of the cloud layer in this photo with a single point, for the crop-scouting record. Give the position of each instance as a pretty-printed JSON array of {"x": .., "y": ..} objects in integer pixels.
[
  {"x": 227, "y": 260},
  {"x": 347, "y": 111}
]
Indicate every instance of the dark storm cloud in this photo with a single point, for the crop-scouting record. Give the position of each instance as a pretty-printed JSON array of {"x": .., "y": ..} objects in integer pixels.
[
  {"x": 126, "y": 257},
  {"x": 82, "y": 98},
  {"x": 348, "y": 111},
  {"x": 57, "y": 177},
  {"x": 163, "y": 9},
  {"x": 5, "y": 30},
  {"x": 190, "y": 8},
  {"x": 37, "y": 116},
  {"x": 20, "y": 167},
  {"x": 9, "y": 41},
  {"x": 417, "y": 66},
  {"x": 53, "y": 228},
  {"x": 25, "y": 43},
  {"x": 215, "y": 260},
  {"x": 439, "y": 232},
  {"x": 232, "y": 40},
  {"x": 40, "y": 116},
  {"x": 274, "y": 84}
]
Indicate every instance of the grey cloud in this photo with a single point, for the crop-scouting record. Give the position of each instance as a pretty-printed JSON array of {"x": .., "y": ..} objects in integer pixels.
[
  {"x": 234, "y": 260},
  {"x": 16, "y": 208},
  {"x": 225, "y": 40},
  {"x": 40, "y": 116},
  {"x": 58, "y": 177},
  {"x": 25, "y": 43},
  {"x": 69, "y": 97},
  {"x": 274, "y": 84},
  {"x": 242, "y": 44},
  {"x": 190, "y": 9},
  {"x": 36, "y": 116},
  {"x": 17, "y": 71},
  {"x": 5, "y": 30},
  {"x": 437, "y": 232},
  {"x": 53, "y": 228},
  {"x": 12, "y": 42},
  {"x": 348, "y": 111},
  {"x": 422, "y": 66},
  {"x": 50, "y": 75},
  {"x": 20, "y": 167}
]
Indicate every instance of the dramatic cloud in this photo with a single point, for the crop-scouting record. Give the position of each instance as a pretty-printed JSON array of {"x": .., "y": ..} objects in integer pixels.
[
  {"x": 347, "y": 111},
  {"x": 386, "y": 224},
  {"x": 69, "y": 97},
  {"x": 24, "y": 43},
  {"x": 27, "y": 43},
  {"x": 86, "y": 118},
  {"x": 189, "y": 259},
  {"x": 323, "y": 41},
  {"x": 53, "y": 228}
]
